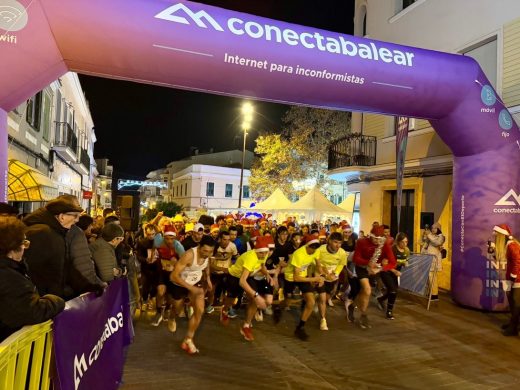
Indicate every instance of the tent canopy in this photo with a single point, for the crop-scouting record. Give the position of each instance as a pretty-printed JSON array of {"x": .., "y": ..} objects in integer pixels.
[
  {"x": 315, "y": 206},
  {"x": 348, "y": 203},
  {"x": 276, "y": 201},
  {"x": 26, "y": 184}
]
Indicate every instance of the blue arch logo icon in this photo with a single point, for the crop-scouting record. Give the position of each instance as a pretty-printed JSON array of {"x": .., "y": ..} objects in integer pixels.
[{"x": 488, "y": 95}]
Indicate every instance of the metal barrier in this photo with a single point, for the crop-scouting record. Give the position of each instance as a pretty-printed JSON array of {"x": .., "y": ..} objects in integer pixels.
[{"x": 25, "y": 358}]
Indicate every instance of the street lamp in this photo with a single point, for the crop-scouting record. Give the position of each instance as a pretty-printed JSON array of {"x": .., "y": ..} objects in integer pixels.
[{"x": 247, "y": 114}]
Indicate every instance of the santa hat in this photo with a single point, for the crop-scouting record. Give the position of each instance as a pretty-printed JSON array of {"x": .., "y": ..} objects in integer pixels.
[
  {"x": 262, "y": 244},
  {"x": 504, "y": 229},
  {"x": 214, "y": 228},
  {"x": 229, "y": 217},
  {"x": 323, "y": 234},
  {"x": 261, "y": 221},
  {"x": 270, "y": 242},
  {"x": 311, "y": 239},
  {"x": 377, "y": 231},
  {"x": 347, "y": 227},
  {"x": 255, "y": 234},
  {"x": 169, "y": 230}
]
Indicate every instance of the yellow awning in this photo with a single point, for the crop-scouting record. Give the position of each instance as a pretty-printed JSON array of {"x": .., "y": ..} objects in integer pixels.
[{"x": 26, "y": 184}]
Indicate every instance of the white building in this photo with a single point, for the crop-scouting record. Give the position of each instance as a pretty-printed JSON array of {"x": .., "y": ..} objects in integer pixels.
[
  {"x": 52, "y": 134},
  {"x": 488, "y": 31},
  {"x": 209, "y": 187},
  {"x": 151, "y": 195},
  {"x": 103, "y": 185}
]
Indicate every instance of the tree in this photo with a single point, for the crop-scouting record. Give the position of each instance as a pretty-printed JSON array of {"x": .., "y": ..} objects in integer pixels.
[
  {"x": 299, "y": 154},
  {"x": 170, "y": 209}
]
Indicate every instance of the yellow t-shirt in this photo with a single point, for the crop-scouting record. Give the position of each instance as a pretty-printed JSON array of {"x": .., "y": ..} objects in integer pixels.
[
  {"x": 332, "y": 262},
  {"x": 250, "y": 261},
  {"x": 302, "y": 260}
]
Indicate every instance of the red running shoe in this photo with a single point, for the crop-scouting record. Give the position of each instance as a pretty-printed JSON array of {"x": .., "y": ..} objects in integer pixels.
[{"x": 247, "y": 333}]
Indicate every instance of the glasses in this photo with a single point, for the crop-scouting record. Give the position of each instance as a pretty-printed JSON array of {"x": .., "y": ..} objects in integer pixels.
[
  {"x": 75, "y": 215},
  {"x": 26, "y": 244}
]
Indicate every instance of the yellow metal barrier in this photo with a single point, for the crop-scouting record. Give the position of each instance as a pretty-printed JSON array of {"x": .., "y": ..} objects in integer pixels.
[{"x": 25, "y": 358}]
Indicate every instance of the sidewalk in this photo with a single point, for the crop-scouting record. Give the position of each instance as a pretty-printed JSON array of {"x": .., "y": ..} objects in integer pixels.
[{"x": 448, "y": 348}]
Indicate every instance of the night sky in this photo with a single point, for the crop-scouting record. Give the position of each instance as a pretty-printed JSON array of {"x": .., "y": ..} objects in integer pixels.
[{"x": 141, "y": 128}]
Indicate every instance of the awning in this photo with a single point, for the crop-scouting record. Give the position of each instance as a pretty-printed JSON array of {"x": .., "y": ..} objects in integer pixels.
[{"x": 27, "y": 184}]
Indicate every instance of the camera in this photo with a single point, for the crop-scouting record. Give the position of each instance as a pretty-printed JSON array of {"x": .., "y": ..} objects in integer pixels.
[{"x": 426, "y": 227}]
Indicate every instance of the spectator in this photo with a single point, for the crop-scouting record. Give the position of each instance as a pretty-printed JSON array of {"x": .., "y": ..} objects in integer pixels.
[
  {"x": 47, "y": 228},
  {"x": 20, "y": 304},
  {"x": 7, "y": 210},
  {"x": 103, "y": 252},
  {"x": 433, "y": 240}
]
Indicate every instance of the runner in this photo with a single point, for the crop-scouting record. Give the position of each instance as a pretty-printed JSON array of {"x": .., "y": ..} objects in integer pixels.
[
  {"x": 242, "y": 278},
  {"x": 188, "y": 281},
  {"x": 332, "y": 260}
]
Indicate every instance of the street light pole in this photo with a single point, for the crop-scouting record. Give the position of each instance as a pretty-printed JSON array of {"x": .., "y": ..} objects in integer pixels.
[{"x": 247, "y": 111}]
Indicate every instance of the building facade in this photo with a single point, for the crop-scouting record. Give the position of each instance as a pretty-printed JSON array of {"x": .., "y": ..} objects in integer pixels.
[
  {"x": 52, "y": 137},
  {"x": 103, "y": 186},
  {"x": 487, "y": 31}
]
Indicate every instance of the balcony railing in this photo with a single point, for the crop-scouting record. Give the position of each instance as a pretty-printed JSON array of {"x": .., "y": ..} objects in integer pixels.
[
  {"x": 85, "y": 159},
  {"x": 65, "y": 136},
  {"x": 353, "y": 150}
]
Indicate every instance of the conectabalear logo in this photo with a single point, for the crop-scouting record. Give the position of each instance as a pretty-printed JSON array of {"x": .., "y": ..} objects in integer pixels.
[
  {"x": 342, "y": 45},
  {"x": 13, "y": 16},
  {"x": 511, "y": 201}
]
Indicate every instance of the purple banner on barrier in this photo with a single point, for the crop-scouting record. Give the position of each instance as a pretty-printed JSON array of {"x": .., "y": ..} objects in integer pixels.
[{"x": 89, "y": 339}]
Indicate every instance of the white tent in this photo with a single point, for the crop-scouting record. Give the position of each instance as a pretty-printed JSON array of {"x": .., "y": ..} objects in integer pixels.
[
  {"x": 314, "y": 206},
  {"x": 348, "y": 205},
  {"x": 276, "y": 201}
]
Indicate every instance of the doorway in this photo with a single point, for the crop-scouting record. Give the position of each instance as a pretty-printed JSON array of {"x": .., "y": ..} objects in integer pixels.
[{"x": 407, "y": 215}]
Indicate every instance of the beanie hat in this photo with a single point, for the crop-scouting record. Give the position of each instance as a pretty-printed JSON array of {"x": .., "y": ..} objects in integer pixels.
[
  {"x": 262, "y": 244},
  {"x": 111, "y": 231},
  {"x": 62, "y": 205},
  {"x": 169, "y": 230},
  {"x": 311, "y": 239},
  {"x": 377, "y": 231},
  {"x": 505, "y": 230}
]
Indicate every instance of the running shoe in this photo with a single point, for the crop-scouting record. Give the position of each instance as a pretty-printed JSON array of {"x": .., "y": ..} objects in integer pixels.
[
  {"x": 157, "y": 319},
  {"x": 380, "y": 304},
  {"x": 247, "y": 333},
  {"x": 224, "y": 317},
  {"x": 172, "y": 325},
  {"x": 189, "y": 347},
  {"x": 259, "y": 316},
  {"x": 363, "y": 322},
  {"x": 209, "y": 309},
  {"x": 269, "y": 311},
  {"x": 232, "y": 313},
  {"x": 301, "y": 334},
  {"x": 330, "y": 303},
  {"x": 350, "y": 312},
  {"x": 323, "y": 324},
  {"x": 389, "y": 315}
]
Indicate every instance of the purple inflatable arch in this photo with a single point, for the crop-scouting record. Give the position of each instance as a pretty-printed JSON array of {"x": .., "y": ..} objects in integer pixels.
[{"x": 187, "y": 45}]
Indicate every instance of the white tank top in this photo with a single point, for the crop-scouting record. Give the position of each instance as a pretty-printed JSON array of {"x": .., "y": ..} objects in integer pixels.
[{"x": 193, "y": 274}]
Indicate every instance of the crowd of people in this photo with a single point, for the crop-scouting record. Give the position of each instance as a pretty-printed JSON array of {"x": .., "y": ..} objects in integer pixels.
[{"x": 177, "y": 267}]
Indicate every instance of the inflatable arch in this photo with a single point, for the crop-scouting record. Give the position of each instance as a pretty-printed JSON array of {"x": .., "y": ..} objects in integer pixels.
[{"x": 187, "y": 45}]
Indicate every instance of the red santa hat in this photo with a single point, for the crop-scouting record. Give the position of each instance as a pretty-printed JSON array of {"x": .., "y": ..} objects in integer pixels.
[
  {"x": 377, "y": 231},
  {"x": 254, "y": 235},
  {"x": 214, "y": 228},
  {"x": 311, "y": 239},
  {"x": 323, "y": 234},
  {"x": 169, "y": 230},
  {"x": 262, "y": 244},
  {"x": 347, "y": 227},
  {"x": 230, "y": 217},
  {"x": 270, "y": 242},
  {"x": 261, "y": 221},
  {"x": 504, "y": 229}
]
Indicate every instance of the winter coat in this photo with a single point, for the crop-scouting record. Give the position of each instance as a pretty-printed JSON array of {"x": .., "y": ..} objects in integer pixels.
[
  {"x": 82, "y": 271},
  {"x": 104, "y": 256},
  {"x": 46, "y": 257},
  {"x": 432, "y": 246},
  {"x": 513, "y": 262},
  {"x": 20, "y": 303}
]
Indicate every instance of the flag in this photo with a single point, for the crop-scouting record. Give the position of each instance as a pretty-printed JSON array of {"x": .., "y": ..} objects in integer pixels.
[{"x": 401, "y": 140}]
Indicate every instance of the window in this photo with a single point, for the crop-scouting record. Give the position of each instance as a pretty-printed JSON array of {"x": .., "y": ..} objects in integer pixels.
[
  {"x": 33, "y": 115},
  {"x": 185, "y": 189},
  {"x": 229, "y": 190},
  {"x": 485, "y": 53},
  {"x": 407, "y": 3},
  {"x": 210, "y": 189},
  {"x": 46, "y": 122},
  {"x": 245, "y": 192}
]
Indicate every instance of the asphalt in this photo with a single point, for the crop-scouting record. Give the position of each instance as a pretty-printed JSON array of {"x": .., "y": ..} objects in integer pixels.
[{"x": 448, "y": 347}]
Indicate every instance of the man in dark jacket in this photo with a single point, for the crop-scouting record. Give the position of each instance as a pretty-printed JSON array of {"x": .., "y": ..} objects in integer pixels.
[
  {"x": 20, "y": 304},
  {"x": 103, "y": 252},
  {"x": 46, "y": 257}
]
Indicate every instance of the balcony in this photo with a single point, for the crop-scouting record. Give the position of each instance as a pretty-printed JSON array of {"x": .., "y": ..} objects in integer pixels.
[
  {"x": 65, "y": 142},
  {"x": 83, "y": 165},
  {"x": 354, "y": 150}
]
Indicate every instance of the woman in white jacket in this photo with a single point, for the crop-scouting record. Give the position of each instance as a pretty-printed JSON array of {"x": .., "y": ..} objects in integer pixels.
[{"x": 433, "y": 240}]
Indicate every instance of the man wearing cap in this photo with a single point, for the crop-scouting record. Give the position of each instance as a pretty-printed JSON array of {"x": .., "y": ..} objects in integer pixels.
[
  {"x": 103, "y": 252},
  {"x": 214, "y": 231},
  {"x": 167, "y": 254},
  {"x": 190, "y": 277},
  {"x": 372, "y": 254},
  {"x": 241, "y": 278},
  {"x": 47, "y": 228},
  {"x": 301, "y": 271},
  {"x": 194, "y": 238},
  {"x": 506, "y": 249},
  {"x": 332, "y": 260}
]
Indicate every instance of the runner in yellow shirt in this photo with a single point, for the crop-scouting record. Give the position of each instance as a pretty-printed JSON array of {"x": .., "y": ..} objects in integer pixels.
[
  {"x": 242, "y": 278},
  {"x": 332, "y": 260},
  {"x": 296, "y": 274}
]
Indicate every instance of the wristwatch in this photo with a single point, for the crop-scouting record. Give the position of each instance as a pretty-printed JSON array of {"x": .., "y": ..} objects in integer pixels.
[{"x": 256, "y": 294}]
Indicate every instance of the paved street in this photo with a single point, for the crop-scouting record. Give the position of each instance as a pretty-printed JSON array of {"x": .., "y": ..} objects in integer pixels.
[{"x": 448, "y": 348}]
